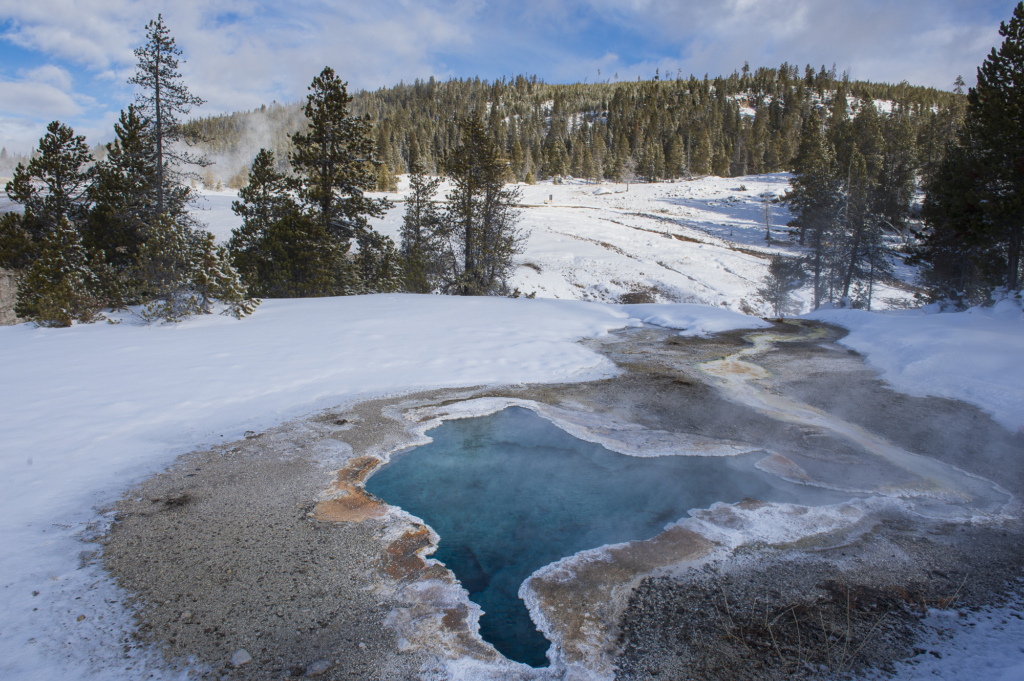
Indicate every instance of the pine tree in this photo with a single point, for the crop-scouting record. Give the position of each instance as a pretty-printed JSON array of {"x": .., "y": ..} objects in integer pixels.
[
  {"x": 334, "y": 160},
  {"x": 335, "y": 165},
  {"x": 214, "y": 278},
  {"x": 785, "y": 275},
  {"x": 959, "y": 262},
  {"x": 64, "y": 283},
  {"x": 419, "y": 246},
  {"x": 52, "y": 187},
  {"x": 165, "y": 268},
  {"x": 163, "y": 100},
  {"x": 301, "y": 260},
  {"x": 264, "y": 201},
  {"x": 123, "y": 192},
  {"x": 378, "y": 263},
  {"x": 973, "y": 205},
  {"x": 816, "y": 199},
  {"x": 993, "y": 116},
  {"x": 479, "y": 227}
]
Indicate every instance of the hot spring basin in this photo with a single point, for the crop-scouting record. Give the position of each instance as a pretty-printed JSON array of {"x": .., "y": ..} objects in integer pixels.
[{"x": 510, "y": 493}]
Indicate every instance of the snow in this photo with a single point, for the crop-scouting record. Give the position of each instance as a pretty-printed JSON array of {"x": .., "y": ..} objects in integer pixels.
[
  {"x": 973, "y": 356},
  {"x": 693, "y": 320},
  {"x": 92, "y": 409},
  {"x": 696, "y": 241},
  {"x": 962, "y": 645},
  {"x": 213, "y": 208}
]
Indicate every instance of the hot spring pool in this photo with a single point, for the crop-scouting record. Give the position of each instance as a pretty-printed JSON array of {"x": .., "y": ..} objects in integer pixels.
[{"x": 510, "y": 493}]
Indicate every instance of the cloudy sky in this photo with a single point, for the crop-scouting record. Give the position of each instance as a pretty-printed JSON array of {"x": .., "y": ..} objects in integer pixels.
[{"x": 69, "y": 59}]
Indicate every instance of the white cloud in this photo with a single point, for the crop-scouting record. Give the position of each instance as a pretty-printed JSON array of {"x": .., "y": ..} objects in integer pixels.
[
  {"x": 35, "y": 99},
  {"x": 48, "y": 74},
  {"x": 242, "y": 53},
  {"x": 926, "y": 43}
]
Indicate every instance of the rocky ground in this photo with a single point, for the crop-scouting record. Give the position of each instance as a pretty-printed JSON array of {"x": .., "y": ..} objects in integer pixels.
[{"x": 223, "y": 552}]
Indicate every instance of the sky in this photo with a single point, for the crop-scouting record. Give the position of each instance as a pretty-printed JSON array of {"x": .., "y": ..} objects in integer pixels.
[{"x": 69, "y": 60}]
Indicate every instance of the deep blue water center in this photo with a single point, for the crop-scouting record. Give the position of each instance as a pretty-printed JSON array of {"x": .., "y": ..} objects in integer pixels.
[{"x": 510, "y": 493}]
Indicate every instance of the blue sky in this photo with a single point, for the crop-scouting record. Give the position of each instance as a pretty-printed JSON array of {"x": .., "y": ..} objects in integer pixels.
[{"x": 68, "y": 60}]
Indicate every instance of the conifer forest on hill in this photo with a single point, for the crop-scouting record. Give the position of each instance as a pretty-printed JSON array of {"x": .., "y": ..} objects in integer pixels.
[{"x": 746, "y": 123}]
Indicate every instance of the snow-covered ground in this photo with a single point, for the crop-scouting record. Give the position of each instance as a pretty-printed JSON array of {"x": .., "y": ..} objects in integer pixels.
[
  {"x": 957, "y": 645},
  {"x": 976, "y": 356},
  {"x": 695, "y": 241}
]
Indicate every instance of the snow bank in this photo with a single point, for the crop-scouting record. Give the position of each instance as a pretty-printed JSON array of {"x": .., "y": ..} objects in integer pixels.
[
  {"x": 974, "y": 356},
  {"x": 693, "y": 320}
]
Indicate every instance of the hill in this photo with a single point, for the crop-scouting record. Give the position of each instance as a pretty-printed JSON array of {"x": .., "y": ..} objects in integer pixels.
[{"x": 746, "y": 123}]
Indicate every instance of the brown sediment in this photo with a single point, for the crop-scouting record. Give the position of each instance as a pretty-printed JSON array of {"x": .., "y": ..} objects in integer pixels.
[
  {"x": 583, "y": 602},
  {"x": 402, "y": 559},
  {"x": 348, "y": 501}
]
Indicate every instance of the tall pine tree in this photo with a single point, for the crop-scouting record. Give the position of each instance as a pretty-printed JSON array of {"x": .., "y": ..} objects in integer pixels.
[{"x": 163, "y": 100}]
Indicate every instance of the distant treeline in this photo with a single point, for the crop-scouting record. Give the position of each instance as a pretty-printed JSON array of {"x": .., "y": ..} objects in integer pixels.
[{"x": 748, "y": 122}]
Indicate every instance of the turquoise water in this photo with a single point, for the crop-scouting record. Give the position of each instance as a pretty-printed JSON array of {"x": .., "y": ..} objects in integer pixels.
[{"x": 510, "y": 493}]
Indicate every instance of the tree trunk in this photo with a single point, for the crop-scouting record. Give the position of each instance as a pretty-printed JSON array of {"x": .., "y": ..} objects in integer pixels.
[
  {"x": 1013, "y": 259},
  {"x": 159, "y": 141},
  {"x": 853, "y": 260}
]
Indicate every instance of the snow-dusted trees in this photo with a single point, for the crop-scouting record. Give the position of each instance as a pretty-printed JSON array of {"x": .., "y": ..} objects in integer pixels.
[
  {"x": 119, "y": 233},
  {"x": 52, "y": 187},
  {"x": 65, "y": 282},
  {"x": 479, "y": 228},
  {"x": 123, "y": 193},
  {"x": 849, "y": 187},
  {"x": 815, "y": 198}
]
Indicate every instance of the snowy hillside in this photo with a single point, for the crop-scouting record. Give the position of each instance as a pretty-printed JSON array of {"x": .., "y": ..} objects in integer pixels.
[{"x": 699, "y": 241}]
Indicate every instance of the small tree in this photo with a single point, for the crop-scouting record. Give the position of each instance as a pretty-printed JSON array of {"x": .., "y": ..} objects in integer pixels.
[
  {"x": 64, "y": 283},
  {"x": 123, "y": 192},
  {"x": 214, "y": 278},
  {"x": 785, "y": 275},
  {"x": 627, "y": 171},
  {"x": 264, "y": 201},
  {"x": 378, "y": 263},
  {"x": 419, "y": 246},
  {"x": 166, "y": 270}
]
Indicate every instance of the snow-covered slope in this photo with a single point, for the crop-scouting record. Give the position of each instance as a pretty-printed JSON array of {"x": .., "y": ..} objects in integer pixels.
[{"x": 695, "y": 241}]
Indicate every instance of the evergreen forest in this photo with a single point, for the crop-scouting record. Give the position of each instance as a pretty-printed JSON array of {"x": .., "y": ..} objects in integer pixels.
[{"x": 746, "y": 123}]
